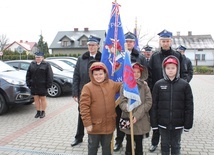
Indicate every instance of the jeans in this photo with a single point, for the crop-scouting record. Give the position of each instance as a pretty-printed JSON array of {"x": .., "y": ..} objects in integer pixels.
[
  {"x": 93, "y": 143},
  {"x": 170, "y": 139}
]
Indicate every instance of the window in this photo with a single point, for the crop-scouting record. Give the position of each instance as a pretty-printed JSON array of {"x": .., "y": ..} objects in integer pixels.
[
  {"x": 65, "y": 43},
  {"x": 200, "y": 57},
  {"x": 14, "y": 64},
  {"x": 83, "y": 43},
  {"x": 197, "y": 56},
  {"x": 24, "y": 66},
  {"x": 203, "y": 57}
]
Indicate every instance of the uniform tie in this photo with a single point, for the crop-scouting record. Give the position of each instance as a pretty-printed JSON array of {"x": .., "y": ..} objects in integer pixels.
[{"x": 147, "y": 60}]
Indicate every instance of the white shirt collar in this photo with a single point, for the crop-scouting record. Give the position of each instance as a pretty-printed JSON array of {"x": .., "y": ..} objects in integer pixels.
[{"x": 92, "y": 55}]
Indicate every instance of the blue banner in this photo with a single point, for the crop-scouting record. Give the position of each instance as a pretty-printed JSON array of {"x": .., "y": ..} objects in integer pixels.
[
  {"x": 113, "y": 50},
  {"x": 130, "y": 85}
]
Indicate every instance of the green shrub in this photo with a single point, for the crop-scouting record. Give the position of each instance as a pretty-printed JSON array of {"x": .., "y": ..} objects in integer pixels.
[
  {"x": 203, "y": 69},
  {"x": 10, "y": 55}
]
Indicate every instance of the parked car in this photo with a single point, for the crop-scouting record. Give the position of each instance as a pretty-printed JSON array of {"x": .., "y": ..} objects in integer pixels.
[
  {"x": 72, "y": 58},
  {"x": 60, "y": 65},
  {"x": 70, "y": 62},
  {"x": 13, "y": 88},
  {"x": 62, "y": 80}
]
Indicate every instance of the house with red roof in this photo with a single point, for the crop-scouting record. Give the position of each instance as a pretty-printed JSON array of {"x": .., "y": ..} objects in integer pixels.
[{"x": 30, "y": 47}]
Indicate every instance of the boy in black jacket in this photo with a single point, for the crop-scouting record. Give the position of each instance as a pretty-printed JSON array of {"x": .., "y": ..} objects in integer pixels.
[{"x": 172, "y": 109}]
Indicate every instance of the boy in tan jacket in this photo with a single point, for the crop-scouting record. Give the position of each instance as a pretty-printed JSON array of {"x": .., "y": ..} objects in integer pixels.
[{"x": 97, "y": 108}]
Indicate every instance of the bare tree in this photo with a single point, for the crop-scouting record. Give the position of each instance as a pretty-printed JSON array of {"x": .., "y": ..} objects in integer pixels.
[
  {"x": 150, "y": 40},
  {"x": 146, "y": 37},
  {"x": 3, "y": 41},
  {"x": 143, "y": 37}
]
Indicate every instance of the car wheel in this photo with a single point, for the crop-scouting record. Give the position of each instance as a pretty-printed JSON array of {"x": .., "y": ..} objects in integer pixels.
[
  {"x": 3, "y": 106},
  {"x": 55, "y": 90}
]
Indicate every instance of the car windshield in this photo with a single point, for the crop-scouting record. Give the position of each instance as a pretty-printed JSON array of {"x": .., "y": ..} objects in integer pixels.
[
  {"x": 55, "y": 70},
  {"x": 5, "y": 67},
  {"x": 70, "y": 58},
  {"x": 62, "y": 72},
  {"x": 69, "y": 61},
  {"x": 61, "y": 64}
]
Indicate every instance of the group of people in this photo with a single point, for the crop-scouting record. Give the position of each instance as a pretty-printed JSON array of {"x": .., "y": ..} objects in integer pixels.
[{"x": 166, "y": 98}]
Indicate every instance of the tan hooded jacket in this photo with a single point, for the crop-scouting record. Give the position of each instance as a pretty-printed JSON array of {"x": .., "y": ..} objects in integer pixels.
[
  {"x": 97, "y": 103},
  {"x": 141, "y": 112}
]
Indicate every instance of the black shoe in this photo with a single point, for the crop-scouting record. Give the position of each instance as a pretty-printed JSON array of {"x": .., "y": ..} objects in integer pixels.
[
  {"x": 147, "y": 135},
  {"x": 42, "y": 114},
  {"x": 37, "y": 114},
  {"x": 117, "y": 147},
  {"x": 128, "y": 153},
  {"x": 153, "y": 148},
  {"x": 76, "y": 142}
]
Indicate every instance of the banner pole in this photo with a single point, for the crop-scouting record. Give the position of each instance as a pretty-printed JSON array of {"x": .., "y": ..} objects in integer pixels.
[
  {"x": 132, "y": 132},
  {"x": 112, "y": 144}
]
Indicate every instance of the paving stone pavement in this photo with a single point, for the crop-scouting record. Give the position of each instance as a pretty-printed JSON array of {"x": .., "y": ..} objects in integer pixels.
[{"x": 22, "y": 134}]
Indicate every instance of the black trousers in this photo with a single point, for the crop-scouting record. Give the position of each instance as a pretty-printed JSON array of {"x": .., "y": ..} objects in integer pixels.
[
  {"x": 120, "y": 135},
  {"x": 138, "y": 139},
  {"x": 155, "y": 137},
  {"x": 80, "y": 127},
  {"x": 155, "y": 134}
]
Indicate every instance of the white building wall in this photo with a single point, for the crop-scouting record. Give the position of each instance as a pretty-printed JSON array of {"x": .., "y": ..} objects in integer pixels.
[
  {"x": 209, "y": 57},
  {"x": 14, "y": 47}
]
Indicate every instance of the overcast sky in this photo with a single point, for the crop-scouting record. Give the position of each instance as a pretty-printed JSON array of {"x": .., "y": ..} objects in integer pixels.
[{"x": 27, "y": 19}]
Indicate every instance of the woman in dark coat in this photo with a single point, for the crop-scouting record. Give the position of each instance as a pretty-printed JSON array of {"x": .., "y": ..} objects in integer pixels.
[{"x": 39, "y": 78}]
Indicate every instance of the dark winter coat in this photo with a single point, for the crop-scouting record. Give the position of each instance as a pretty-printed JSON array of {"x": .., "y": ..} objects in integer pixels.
[
  {"x": 97, "y": 104},
  {"x": 39, "y": 78},
  {"x": 155, "y": 65},
  {"x": 137, "y": 57},
  {"x": 81, "y": 74},
  {"x": 172, "y": 106},
  {"x": 188, "y": 70}
]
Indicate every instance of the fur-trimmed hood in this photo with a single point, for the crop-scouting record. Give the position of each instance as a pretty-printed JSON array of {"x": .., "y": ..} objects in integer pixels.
[{"x": 177, "y": 76}]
